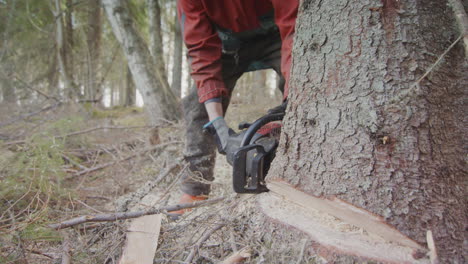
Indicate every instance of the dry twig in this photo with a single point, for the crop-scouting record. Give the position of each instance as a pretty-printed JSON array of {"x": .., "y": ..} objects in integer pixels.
[
  {"x": 89, "y": 130},
  {"x": 128, "y": 215},
  {"x": 19, "y": 118},
  {"x": 105, "y": 165},
  {"x": 128, "y": 200},
  {"x": 462, "y": 20},
  {"x": 201, "y": 241}
]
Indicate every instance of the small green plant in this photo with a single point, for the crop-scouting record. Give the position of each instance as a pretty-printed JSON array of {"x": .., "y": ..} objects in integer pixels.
[{"x": 31, "y": 178}]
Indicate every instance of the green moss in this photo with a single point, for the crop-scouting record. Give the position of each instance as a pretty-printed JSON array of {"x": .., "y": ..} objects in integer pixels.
[{"x": 36, "y": 232}]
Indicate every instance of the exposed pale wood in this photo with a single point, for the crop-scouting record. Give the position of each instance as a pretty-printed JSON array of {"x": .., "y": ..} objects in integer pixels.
[
  {"x": 331, "y": 233},
  {"x": 239, "y": 256},
  {"x": 344, "y": 211},
  {"x": 432, "y": 248},
  {"x": 66, "y": 257},
  {"x": 142, "y": 240}
]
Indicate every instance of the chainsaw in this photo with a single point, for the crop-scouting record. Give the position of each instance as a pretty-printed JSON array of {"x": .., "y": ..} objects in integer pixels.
[{"x": 253, "y": 150}]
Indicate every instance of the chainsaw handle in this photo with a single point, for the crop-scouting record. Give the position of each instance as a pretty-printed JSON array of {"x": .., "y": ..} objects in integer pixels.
[{"x": 255, "y": 126}]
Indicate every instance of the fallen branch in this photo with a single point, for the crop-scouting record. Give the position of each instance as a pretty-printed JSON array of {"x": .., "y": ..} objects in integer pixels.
[
  {"x": 129, "y": 215},
  {"x": 105, "y": 165},
  {"x": 18, "y": 142},
  {"x": 28, "y": 86},
  {"x": 201, "y": 241},
  {"x": 100, "y": 128},
  {"x": 47, "y": 108},
  {"x": 125, "y": 202}
]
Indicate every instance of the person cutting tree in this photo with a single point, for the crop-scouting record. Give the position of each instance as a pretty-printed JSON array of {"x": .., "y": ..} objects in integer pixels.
[{"x": 225, "y": 39}]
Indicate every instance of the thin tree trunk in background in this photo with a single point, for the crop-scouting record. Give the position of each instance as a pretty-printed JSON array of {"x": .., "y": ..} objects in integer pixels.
[
  {"x": 61, "y": 52},
  {"x": 93, "y": 39},
  {"x": 159, "y": 101},
  {"x": 362, "y": 125},
  {"x": 130, "y": 90},
  {"x": 177, "y": 64},
  {"x": 259, "y": 89},
  {"x": 8, "y": 91},
  {"x": 6, "y": 88},
  {"x": 156, "y": 41},
  {"x": 68, "y": 41},
  {"x": 188, "y": 79},
  {"x": 52, "y": 76}
]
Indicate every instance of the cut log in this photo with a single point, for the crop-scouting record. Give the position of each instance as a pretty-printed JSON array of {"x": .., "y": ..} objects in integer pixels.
[
  {"x": 142, "y": 235},
  {"x": 142, "y": 240},
  {"x": 335, "y": 224}
]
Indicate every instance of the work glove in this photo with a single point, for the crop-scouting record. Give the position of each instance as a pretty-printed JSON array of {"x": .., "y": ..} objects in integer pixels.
[
  {"x": 279, "y": 109},
  {"x": 219, "y": 129}
]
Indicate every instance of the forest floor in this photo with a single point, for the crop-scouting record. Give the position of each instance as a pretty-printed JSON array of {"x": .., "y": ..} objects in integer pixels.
[{"x": 59, "y": 162}]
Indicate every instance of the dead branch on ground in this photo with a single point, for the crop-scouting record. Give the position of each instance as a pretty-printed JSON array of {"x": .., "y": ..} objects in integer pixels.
[
  {"x": 124, "y": 203},
  {"x": 202, "y": 240},
  {"x": 29, "y": 87},
  {"x": 105, "y": 165},
  {"x": 22, "y": 117},
  {"x": 129, "y": 215},
  {"x": 89, "y": 130}
]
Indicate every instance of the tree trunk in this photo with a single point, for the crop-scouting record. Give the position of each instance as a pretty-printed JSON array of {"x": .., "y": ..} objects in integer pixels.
[
  {"x": 93, "y": 38},
  {"x": 8, "y": 91},
  {"x": 62, "y": 52},
  {"x": 160, "y": 102},
  {"x": 156, "y": 42},
  {"x": 259, "y": 87},
  {"x": 130, "y": 90},
  {"x": 177, "y": 64},
  {"x": 365, "y": 127},
  {"x": 68, "y": 39}
]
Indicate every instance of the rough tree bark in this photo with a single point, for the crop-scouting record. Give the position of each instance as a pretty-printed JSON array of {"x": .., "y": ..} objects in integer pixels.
[
  {"x": 159, "y": 101},
  {"x": 363, "y": 126},
  {"x": 93, "y": 39}
]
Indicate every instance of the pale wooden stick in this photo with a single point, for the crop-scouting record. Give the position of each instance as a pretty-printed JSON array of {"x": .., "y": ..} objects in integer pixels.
[
  {"x": 105, "y": 165},
  {"x": 432, "y": 248},
  {"x": 239, "y": 256}
]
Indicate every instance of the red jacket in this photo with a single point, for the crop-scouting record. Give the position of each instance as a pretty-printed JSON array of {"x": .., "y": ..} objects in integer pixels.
[{"x": 198, "y": 18}]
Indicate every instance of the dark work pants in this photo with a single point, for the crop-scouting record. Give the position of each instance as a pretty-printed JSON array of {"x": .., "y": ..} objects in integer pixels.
[{"x": 200, "y": 148}]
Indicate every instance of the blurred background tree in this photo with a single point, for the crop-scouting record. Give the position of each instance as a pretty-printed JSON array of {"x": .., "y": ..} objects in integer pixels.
[{"x": 67, "y": 49}]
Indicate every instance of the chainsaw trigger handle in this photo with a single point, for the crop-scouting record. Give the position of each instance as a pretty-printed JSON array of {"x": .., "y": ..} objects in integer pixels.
[{"x": 244, "y": 125}]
